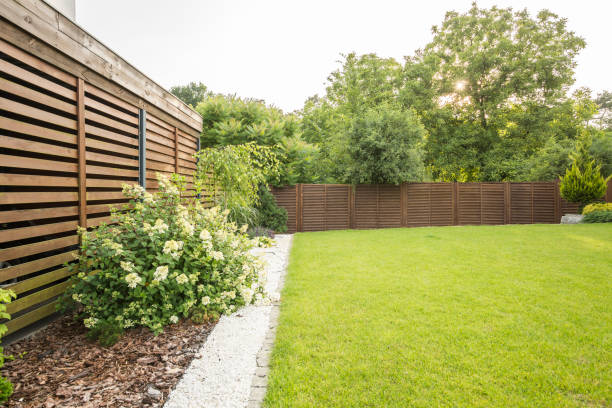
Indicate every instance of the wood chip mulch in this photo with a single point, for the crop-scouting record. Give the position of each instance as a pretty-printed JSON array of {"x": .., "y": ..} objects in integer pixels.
[{"x": 60, "y": 367}]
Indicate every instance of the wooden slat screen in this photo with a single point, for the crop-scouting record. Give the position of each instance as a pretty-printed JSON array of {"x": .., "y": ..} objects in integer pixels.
[
  {"x": 38, "y": 181},
  {"x": 320, "y": 207},
  {"x": 66, "y": 148}
]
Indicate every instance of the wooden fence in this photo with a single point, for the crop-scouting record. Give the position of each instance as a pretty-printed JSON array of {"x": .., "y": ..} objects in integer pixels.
[
  {"x": 71, "y": 133},
  {"x": 321, "y": 207}
]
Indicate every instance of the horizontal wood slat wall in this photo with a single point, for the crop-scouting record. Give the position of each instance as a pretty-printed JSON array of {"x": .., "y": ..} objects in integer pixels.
[
  {"x": 66, "y": 148},
  {"x": 321, "y": 207}
]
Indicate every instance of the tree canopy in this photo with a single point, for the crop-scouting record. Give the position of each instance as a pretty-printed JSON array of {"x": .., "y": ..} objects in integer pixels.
[{"x": 487, "y": 99}]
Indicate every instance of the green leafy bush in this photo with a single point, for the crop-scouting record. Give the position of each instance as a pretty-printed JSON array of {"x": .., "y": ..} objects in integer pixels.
[
  {"x": 597, "y": 216},
  {"x": 6, "y": 388},
  {"x": 269, "y": 214},
  {"x": 583, "y": 182},
  {"x": 161, "y": 260},
  {"x": 231, "y": 176},
  {"x": 597, "y": 207}
]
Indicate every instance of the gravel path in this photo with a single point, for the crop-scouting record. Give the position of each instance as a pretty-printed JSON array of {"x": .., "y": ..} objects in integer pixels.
[{"x": 223, "y": 372}]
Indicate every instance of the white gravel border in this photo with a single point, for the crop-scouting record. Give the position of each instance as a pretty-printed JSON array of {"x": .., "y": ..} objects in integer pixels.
[{"x": 222, "y": 373}]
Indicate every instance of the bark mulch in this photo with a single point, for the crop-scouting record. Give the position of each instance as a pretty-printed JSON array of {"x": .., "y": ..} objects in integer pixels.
[{"x": 60, "y": 367}]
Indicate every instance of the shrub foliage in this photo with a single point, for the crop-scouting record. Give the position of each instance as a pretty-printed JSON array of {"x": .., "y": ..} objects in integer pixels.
[
  {"x": 162, "y": 259},
  {"x": 6, "y": 388}
]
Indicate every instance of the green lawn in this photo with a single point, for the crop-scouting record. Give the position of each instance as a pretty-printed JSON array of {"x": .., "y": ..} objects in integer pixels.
[{"x": 502, "y": 316}]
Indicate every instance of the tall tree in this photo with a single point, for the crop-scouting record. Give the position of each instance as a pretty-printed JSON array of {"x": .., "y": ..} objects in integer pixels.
[
  {"x": 485, "y": 85},
  {"x": 385, "y": 146},
  {"x": 192, "y": 93}
]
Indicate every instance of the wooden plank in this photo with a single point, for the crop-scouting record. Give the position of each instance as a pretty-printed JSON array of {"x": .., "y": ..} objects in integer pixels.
[
  {"x": 94, "y": 222},
  {"x": 104, "y": 195},
  {"x": 25, "y": 145},
  {"x": 36, "y": 297},
  {"x": 96, "y": 117},
  {"x": 110, "y": 98},
  {"x": 160, "y": 140},
  {"x": 37, "y": 214},
  {"x": 31, "y": 94},
  {"x": 27, "y": 268},
  {"x": 110, "y": 135},
  {"x": 37, "y": 197},
  {"x": 37, "y": 80},
  {"x": 8, "y": 179},
  {"x": 160, "y": 124},
  {"x": 92, "y": 103},
  {"x": 109, "y": 159},
  {"x": 93, "y": 182},
  {"x": 15, "y": 234},
  {"x": 110, "y": 171},
  {"x": 159, "y": 148},
  {"x": 153, "y": 165},
  {"x": 110, "y": 147},
  {"x": 34, "y": 45},
  {"x": 29, "y": 111},
  {"x": 36, "y": 63},
  {"x": 160, "y": 157},
  {"x": 41, "y": 280},
  {"x": 85, "y": 49},
  {"x": 35, "y": 130},
  {"x": 28, "y": 318},
  {"x": 100, "y": 208},
  {"x": 37, "y": 248}
]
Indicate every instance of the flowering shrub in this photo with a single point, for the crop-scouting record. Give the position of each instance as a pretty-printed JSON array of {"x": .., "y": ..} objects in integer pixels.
[
  {"x": 6, "y": 388},
  {"x": 162, "y": 260},
  {"x": 596, "y": 207}
]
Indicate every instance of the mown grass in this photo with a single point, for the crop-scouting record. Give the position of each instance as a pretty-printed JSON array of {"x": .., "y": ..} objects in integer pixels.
[{"x": 501, "y": 316}]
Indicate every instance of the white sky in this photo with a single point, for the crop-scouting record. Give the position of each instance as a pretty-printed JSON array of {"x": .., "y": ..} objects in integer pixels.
[{"x": 283, "y": 50}]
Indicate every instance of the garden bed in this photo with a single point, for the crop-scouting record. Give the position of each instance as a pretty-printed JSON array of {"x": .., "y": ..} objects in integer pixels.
[{"x": 60, "y": 367}]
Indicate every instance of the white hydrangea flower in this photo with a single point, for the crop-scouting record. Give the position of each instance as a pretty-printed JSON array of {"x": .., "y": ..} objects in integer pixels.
[
  {"x": 133, "y": 280},
  {"x": 217, "y": 255},
  {"x": 161, "y": 273},
  {"x": 205, "y": 235},
  {"x": 127, "y": 266},
  {"x": 174, "y": 319},
  {"x": 160, "y": 226},
  {"x": 182, "y": 279},
  {"x": 172, "y": 248},
  {"x": 90, "y": 322},
  {"x": 205, "y": 300}
]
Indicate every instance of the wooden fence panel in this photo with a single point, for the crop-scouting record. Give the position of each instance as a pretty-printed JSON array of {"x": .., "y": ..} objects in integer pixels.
[
  {"x": 521, "y": 199},
  {"x": 493, "y": 203},
  {"x": 418, "y": 204},
  {"x": 469, "y": 204},
  {"x": 286, "y": 198},
  {"x": 66, "y": 148},
  {"x": 389, "y": 206},
  {"x": 313, "y": 207},
  {"x": 337, "y": 207},
  {"x": 319, "y": 207},
  {"x": 441, "y": 204},
  {"x": 39, "y": 182},
  {"x": 111, "y": 151},
  {"x": 544, "y": 197},
  {"x": 366, "y": 206}
]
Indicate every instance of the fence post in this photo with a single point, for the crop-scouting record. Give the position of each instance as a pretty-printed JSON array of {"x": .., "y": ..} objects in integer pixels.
[
  {"x": 353, "y": 188},
  {"x": 82, "y": 155},
  {"x": 455, "y": 203},
  {"x": 142, "y": 148},
  {"x": 403, "y": 206},
  {"x": 557, "y": 202},
  {"x": 506, "y": 202},
  {"x": 298, "y": 210}
]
